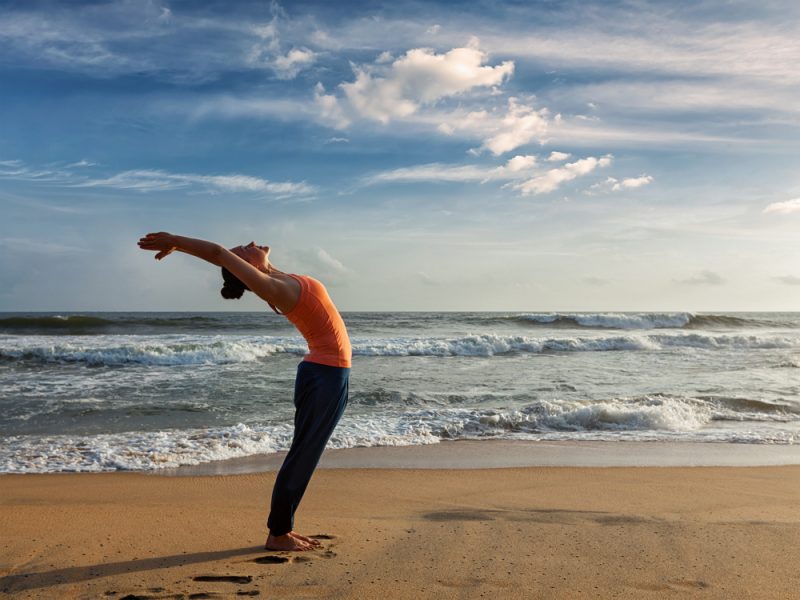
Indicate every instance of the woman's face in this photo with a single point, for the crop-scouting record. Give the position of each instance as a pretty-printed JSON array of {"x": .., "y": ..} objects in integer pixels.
[{"x": 258, "y": 256}]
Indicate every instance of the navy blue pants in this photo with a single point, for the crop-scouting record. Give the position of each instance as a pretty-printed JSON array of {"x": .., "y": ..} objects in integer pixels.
[{"x": 320, "y": 397}]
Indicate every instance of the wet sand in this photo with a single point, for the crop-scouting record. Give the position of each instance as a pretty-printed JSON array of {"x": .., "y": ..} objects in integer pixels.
[{"x": 529, "y": 532}]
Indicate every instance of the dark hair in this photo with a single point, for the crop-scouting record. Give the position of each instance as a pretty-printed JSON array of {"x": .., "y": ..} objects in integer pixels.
[{"x": 233, "y": 288}]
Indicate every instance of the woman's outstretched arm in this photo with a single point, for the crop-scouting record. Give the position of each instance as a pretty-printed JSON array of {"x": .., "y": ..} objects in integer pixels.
[
  {"x": 262, "y": 284},
  {"x": 166, "y": 243}
]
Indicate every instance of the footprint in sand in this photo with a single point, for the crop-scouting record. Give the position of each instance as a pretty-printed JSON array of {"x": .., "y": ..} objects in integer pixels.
[
  {"x": 271, "y": 559},
  {"x": 323, "y": 536},
  {"x": 225, "y": 578}
]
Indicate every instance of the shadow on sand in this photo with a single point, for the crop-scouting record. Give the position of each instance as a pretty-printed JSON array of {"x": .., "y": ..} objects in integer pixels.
[{"x": 29, "y": 581}]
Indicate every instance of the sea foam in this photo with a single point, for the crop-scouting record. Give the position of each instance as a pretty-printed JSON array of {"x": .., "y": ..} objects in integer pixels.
[
  {"x": 167, "y": 350},
  {"x": 641, "y": 418}
]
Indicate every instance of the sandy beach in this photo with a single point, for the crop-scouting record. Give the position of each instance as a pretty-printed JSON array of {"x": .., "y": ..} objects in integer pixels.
[{"x": 530, "y": 532}]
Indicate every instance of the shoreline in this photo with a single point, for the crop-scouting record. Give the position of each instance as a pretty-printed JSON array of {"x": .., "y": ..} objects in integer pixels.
[
  {"x": 502, "y": 454},
  {"x": 498, "y": 454}
]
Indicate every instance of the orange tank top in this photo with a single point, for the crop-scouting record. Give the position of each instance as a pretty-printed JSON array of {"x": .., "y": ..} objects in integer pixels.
[{"x": 317, "y": 319}]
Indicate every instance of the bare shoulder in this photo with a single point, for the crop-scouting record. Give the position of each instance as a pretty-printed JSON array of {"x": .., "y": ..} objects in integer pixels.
[{"x": 285, "y": 291}]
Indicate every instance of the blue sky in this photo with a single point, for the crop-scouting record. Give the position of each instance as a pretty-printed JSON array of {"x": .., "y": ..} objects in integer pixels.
[{"x": 412, "y": 155}]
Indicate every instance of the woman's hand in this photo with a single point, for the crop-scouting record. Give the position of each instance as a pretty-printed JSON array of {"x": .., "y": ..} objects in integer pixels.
[{"x": 162, "y": 242}]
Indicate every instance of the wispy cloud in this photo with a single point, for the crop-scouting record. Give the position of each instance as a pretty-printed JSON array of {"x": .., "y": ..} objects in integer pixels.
[
  {"x": 150, "y": 180},
  {"x": 784, "y": 208},
  {"x": 226, "y": 105},
  {"x": 427, "y": 279},
  {"x": 19, "y": 171},
  {"x": 788, "y": 279},
  {"x": 655, "y": 42},
  {"x": 267, "y": 51},
  {"x": 522, "y": 172},
  {"x": 321, "y": 261},
  {"x": 636, "y": 134},
  {"x": 333, "y": 264},
  {"x": 155, "y": 180},
  {"x": 595, "y": 281},
  {"x": 38, "y": 246},
  {"x": 515, "y": 168},
  {"x": 80, "y": 163},
  {"x": 149, "y": 38},
  {"x": 521, "y": 124},
  {"x": 703, "y": 278},
  {"x": 554, "y": 178}
]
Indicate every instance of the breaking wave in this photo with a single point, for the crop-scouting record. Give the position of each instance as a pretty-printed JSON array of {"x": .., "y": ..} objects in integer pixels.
[
  {"x": 677, "y": 320},
  {"x": 640, "y": 418},
  {"x": 164, "y": 351}
]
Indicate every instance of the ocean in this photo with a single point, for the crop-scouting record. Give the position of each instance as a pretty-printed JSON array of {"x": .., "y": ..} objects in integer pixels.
[{"x": 143, "y": 391}]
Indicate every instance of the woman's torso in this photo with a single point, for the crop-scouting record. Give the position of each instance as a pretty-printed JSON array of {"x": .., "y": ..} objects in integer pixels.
[{"x": 317, "y": 319}]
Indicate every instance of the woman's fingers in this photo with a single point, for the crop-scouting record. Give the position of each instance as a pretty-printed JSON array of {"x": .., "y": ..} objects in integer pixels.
[{"x": 159, "y": 240}]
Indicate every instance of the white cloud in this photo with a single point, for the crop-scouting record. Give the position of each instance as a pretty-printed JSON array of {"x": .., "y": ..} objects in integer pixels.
[
  {"x": 612, "y": 184},
  {"x": 432, "y": 172},
  {"x": 703, "y": 278},
  {"x": 419, "y": 78},
  {"x": 81, "y": 163},
  {"x": 520, "y": 125},
  {"x": 289, "y": 65},
  {"x": 558, "y": 156},
  {"x": 784, "y": 208},
  {"x": 601, "y": 186},
  {"x": 552, "y": 179},
  {"x": 521, "y": 163},
  {"x": 629, "y": 183},
  {"x": 330, "y": 111},
  {"x": 500, "y": 130}
]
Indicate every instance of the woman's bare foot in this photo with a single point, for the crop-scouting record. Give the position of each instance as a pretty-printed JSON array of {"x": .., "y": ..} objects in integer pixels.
[
  {"x": 307, "y": 540},
  {"x": 286, "y": 542}
]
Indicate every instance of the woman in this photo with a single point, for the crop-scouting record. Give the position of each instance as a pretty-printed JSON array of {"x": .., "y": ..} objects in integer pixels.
[{"x": 320, "y": 393}]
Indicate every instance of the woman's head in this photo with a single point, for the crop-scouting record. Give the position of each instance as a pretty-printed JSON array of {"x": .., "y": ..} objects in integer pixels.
[{"x": 258, "y": 256}]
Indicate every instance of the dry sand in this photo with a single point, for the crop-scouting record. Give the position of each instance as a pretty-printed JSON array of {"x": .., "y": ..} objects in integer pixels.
[{"x": 535, "y": 532}]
